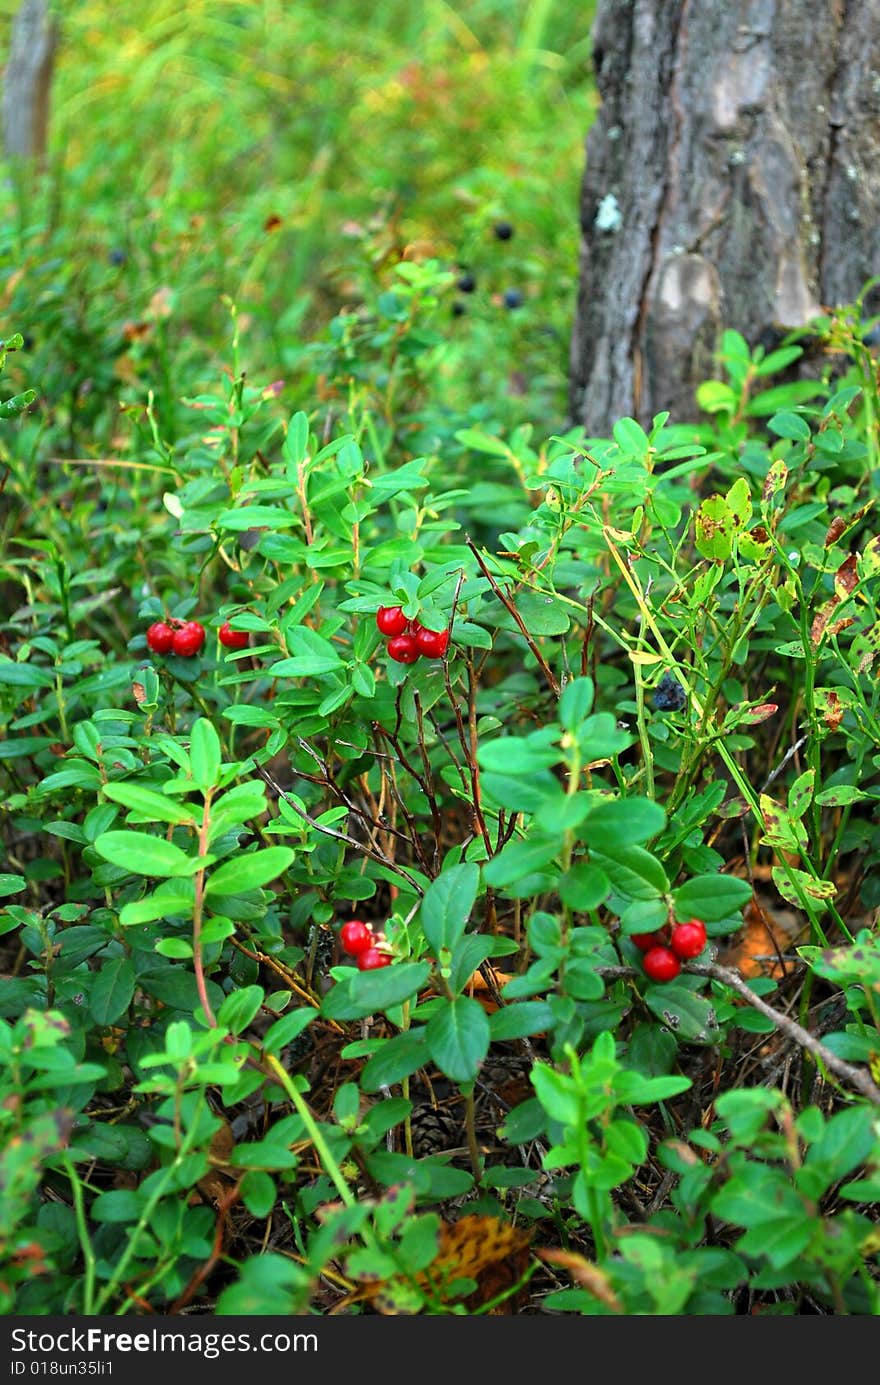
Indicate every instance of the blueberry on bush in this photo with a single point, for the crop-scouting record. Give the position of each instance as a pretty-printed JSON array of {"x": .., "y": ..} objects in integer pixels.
[{"x": 669, "y": 695}]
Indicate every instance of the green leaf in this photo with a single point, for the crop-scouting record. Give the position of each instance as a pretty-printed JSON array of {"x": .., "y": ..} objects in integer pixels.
[
  {"x": 258, "y": 1192},
  {"x": 255, "y": 517},
  {"x": 142, "y": 854},
  {"x": 630, "y": 437},
  {"x": 557, "y": 1094},
  {"x": 779, "y": 1241},
  {"x": 296, "y": 441},
  {"x": 518, "y": 859},
  {"x": 174, "y": 947},
  {"x": 368, "y": 992},
  {"x": 576, "y": 703},
  {"x": 713, "y": 397},
  {"x": 849, "y": 1139},
  {"x": 240, "y": 1007},
  {"x": 470, "y": 951},
  {"x": 24, "y": 675},
  {"x": 622, "y": 822},
  {"x": 458, "y": 1037},
  {"x": 249, "y": 871},
  {"x": 788, "y": 425},
  {"x": 241, "y": 803},
  {"x": 112, "y": 990},
  {"x": 10, "y": 408},
  {"x": 168, "y": 900},
  {"x": 482, "y": 442},
  {"x": 634, "y": 1089},
  {"x": 285, "y": 1030},
  {"x": 397, "y": 1058},
  {"x": 756, "y": 1196},
  {"x": 542, "y": 614},
  {"x": 11, "y": 884},
  {"x": 511, "y": 755},
  {"x": 204, "y": 753},
  {"x": 634, "y": 873},
  {"x": 784, "y": 397},
  {"x": 524, "y": 1017},
  {"x": 710, "y": 897},
  {"x": 687, "y": 1014},
  {"x": 150, "y": 804},
  {"x": 119, "y": 1205},
  {"x": 584, "y": 887},
  {"x": 268, "y": 1284},
  {"x": 628, "y": 1141},
  {"x": 447, "y": 904}
]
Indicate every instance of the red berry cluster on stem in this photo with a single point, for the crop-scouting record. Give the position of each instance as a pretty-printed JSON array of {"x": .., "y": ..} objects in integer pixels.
[
  {"x": 409, "y": 640},
  {"x": 359, "y": 941},
  {"x": 173, "y": 636},
  {"x": 666, "y": 949}
]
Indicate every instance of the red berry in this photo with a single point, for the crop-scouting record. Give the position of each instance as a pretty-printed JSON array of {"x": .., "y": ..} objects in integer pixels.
[
  {"x": 661, "y": 964},
  {"x": 688, "y": 939},
  {"x": 356, "y": 937},
  {"x": 233, "y": 639},
  {"x": 372, "y": 959},
  {"x": 432, "y": 643},
  {"x": 189, "y": 639},
  {"x": 160, "y": 637},
  {"x": 391, "y": 620},
  {"x": 403, "y": 649},
  {"x": 648, "y": 940}
]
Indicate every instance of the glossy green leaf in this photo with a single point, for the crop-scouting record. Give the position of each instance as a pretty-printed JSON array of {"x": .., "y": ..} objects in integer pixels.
[
  {"x": 457, "y": 1036},
  {"x": 249, "y": 870}
]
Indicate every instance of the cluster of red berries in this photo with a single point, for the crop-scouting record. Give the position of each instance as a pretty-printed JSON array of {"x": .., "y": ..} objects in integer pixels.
[
  {"x": 667, "y": 948},
  {"x": 186, "y": 637},
  {"x": 359, "y": 941},
  {"x": 183, "y": 637},
  {"x": 408, "y": 640}
]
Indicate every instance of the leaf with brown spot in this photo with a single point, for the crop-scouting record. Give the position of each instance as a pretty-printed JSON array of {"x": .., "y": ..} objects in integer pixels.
[
  {"x": 594, "y": 1280},
  {"x": 832, "y": 710},
  {"x": 823, "y": 625},
  {"x": 846, "y": 579},
  {"x": 774, "y": 481},
  {"x": 871, "y": 556},
  {"x": 840, "y": 525},
  {"x": 836, "y": 529}
]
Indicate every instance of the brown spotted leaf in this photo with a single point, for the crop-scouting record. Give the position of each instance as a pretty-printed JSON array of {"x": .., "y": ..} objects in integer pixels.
[{"x": 846, "y": 578}]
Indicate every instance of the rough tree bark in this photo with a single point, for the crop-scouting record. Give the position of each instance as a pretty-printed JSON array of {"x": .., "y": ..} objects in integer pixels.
[
  {"x": 27, "y": 80},
  {"x": 732, "y": 180}
]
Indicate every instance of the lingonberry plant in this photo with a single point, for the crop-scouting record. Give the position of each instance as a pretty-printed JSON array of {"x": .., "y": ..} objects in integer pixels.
[{"x": 544, "y": 1016}]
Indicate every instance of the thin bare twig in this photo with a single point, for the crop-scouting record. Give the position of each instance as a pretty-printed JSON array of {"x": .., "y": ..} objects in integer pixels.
[
  {"x": 854, "y": 1076},
  {"x": 510, "y": 606},
  {"x": 363, "y": 847}
]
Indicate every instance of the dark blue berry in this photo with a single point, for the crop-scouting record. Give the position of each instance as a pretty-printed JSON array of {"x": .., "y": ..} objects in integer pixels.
[
  {"x": 503, "y": 230},
  {"x": 117, "y": 257},
  {"x": 513, "y": 298},
  {"x": 466, "y": 284},
  {"x": 458, "y": 308},
  {"x": 669, "y": 695}
]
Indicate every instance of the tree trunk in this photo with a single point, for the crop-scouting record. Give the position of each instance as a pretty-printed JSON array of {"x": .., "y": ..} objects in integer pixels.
[
  {"x": 27, "y": 81},
  {"x": 732, "y": 180}
]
